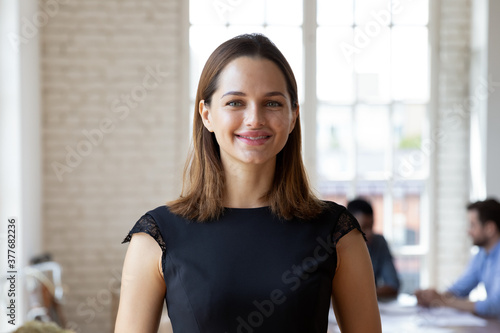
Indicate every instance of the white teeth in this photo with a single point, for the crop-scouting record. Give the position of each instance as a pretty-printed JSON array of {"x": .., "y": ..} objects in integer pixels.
[{"x": 254, "y": 137}]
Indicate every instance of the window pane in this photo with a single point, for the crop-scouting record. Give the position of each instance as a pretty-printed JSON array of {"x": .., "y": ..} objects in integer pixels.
[
  {"x": 410, "y": 155},
  {"x": 235, "y": 30},
  {"x": 372, "y": 134},
  {"x": 408, "y": 268},
  {"x": 275, "y": 15},
  {"x": 208, "y": 12},
  {"x": 334, "y": 142},
  {"x": 406, "y": 212},
  {"x": 411, "y": 12},
  {"x": 373, "y": 67},
  {"x": 203, "y": 40},
  {"x": 334, "y": 77},
  {"x": 245, "y": 12},
  {"x": 337, "y": 194},
  {"x": 410, "y": 64},
  {"x": 289, "y": 41},
  {"x": 372, "y": 12},
  {"x": 337, "y": 191},
  {"x": 335, "y": 12}
]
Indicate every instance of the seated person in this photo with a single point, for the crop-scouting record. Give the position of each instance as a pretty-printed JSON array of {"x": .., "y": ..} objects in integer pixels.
[
  {"x": 484, "y": 218},
  {"x": 386, "y": 276}
]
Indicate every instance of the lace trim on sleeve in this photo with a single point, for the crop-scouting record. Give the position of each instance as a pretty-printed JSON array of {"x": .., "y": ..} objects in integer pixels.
[
  {"x": 345, "y": 224},
  {"x": 148, "y": 225}
]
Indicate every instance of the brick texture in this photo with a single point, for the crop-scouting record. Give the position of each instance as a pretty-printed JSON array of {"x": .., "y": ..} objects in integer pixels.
[
  {"x": 111, "y": 128},
  {"x": 452, "y": 155}
]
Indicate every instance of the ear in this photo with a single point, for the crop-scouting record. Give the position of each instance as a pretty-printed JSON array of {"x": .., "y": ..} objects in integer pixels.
[
  {"x": 295, "y": 115},
  {"x": 205, "y": 115},
  {"x": 490, "y": 228}
]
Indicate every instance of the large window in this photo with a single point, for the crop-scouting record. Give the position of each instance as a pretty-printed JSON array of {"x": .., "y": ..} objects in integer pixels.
[
  {"x": 372, "y": 117},
  {"x": 369, "y": 98},
  {"x": 214, "y": 21}
]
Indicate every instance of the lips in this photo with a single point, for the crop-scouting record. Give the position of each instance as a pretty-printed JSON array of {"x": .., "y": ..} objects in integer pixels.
[{"x": 254, "y": 138}]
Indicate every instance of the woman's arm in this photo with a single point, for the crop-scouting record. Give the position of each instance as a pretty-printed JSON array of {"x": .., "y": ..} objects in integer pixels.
[
  {"x": 353, "y": 295},
  {"x": 142, "y": 287}
]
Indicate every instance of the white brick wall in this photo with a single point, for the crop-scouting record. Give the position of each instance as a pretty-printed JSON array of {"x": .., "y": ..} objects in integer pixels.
[
  {"x": 452, "y": 160},
  {"x": 94, "y": 53}
]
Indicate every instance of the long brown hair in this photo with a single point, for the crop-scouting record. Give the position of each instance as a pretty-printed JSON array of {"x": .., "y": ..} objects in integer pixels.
[{"x": 203, "y": 187}]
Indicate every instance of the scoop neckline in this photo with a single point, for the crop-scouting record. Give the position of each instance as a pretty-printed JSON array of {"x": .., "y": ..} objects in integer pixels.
[{"x": 250, "y": 208}]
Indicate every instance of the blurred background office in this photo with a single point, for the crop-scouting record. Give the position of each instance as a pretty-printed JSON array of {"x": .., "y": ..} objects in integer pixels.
[{"x": 400, "y": 104}]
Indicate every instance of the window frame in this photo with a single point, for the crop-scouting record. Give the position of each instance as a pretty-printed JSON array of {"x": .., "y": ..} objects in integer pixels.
[{"x": 310, "y": 103}]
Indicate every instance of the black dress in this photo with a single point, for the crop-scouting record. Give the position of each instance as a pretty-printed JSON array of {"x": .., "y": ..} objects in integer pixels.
[{"x": 249, "y": 271}]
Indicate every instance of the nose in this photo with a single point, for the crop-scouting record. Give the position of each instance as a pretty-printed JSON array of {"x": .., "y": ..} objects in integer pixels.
[{"x": 255, "y": 116}]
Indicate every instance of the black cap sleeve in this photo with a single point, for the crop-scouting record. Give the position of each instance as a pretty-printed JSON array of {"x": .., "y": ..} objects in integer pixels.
[
  {"x": 148, "y": 225},
  {"x": 345, "y": 224}
]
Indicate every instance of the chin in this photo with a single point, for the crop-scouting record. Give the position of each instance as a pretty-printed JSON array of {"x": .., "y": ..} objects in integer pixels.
[
  {"x": 256, "y": 162},
  {"x": 479, "y": 243},
  {"x": 257, "y": 159}
]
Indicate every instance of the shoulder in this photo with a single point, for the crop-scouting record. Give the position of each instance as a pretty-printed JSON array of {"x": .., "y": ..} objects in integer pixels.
[
  {"x": 159, "y": 211},
  {"x": 495, "y": 252},
  {"x": 333, "y": 209},
  {"x": 343, "y": 221},
  {"x": 162, "y": 215}
]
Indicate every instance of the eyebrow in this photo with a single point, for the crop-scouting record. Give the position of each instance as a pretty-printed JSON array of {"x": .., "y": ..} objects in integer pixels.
[{"x": 239, "y": 93}]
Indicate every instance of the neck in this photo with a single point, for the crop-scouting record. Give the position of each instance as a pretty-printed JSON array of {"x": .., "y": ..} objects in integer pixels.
[
  {"x": 246, "y": 184},
  {"x": 492, "y": 243}
]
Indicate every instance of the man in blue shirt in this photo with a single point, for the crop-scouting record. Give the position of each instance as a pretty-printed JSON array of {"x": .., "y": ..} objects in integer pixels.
[
  {"x": 484, "y": 217},
  {"x": 386, "y": 276}
]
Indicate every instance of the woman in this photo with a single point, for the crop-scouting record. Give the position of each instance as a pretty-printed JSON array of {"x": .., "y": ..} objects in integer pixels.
[{"x": 247, "y": 247}]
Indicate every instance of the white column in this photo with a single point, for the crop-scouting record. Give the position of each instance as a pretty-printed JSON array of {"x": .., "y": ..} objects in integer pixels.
[
  {"x": 493, "y": 106},
  {"x": 20, "y": 166},
  {"x": 485, "y": 100},
  {"x": 308, "y": 111}
]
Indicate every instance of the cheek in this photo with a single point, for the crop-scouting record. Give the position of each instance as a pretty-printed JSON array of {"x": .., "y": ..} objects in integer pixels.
[
  {"x": 283, "y": 122},
  {"x": 223, "y": 121}
]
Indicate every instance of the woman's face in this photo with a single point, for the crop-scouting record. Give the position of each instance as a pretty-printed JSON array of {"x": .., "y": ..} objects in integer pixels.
[{"x": 250, "y": 112}]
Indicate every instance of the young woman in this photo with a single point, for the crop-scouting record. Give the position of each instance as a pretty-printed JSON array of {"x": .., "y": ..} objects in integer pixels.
[{"x": 247, "y": 247}]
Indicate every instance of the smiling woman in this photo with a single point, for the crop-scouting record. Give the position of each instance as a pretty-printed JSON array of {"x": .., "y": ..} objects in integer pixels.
[
  {"x": 244, "y": 81},
  {"x": 247, "y": 247},
  {"x": 251, "y": 124}
]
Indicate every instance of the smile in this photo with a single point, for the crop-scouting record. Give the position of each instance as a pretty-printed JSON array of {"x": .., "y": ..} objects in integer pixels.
[
  {"x": 254, "y": 137},
  {"x": 253, "y": 140}
]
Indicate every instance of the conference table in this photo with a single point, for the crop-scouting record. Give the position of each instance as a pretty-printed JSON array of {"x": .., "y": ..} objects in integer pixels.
[{"x": 404, "y": 316}]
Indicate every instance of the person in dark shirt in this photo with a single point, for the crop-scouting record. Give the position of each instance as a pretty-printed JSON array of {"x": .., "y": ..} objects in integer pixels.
[{"x": 386, "y": 276}]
